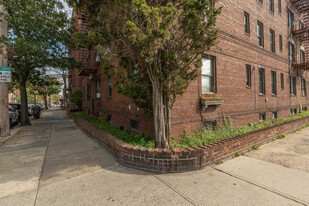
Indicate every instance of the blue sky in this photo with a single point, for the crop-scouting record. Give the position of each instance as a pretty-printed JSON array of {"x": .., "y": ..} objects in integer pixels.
[{"x": 67, "y": 8}]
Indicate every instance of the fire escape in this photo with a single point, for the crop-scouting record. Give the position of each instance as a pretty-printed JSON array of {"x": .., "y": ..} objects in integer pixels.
[
  {"x": 301, "y": 32},
  {"x": 87, "y": 68}
]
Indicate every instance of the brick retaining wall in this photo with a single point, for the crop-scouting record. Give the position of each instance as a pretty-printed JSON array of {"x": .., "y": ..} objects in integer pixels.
[{"x": 184, "y": 159}]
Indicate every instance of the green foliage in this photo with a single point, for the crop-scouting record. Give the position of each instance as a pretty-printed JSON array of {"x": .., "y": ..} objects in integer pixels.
[
  {"x": 159, "y": 45},
  {"x": 38, "y": 34},
  {"x": 236, "y": 154},
  {"x": 136, "y": 140},
  {"x": 209, "y": 134},
  {"x": 218, "y": 162},
  {"x": 281, "y": 136},
  {"x": 76, "y": 97},
  {"x": 254, "y": 147}
]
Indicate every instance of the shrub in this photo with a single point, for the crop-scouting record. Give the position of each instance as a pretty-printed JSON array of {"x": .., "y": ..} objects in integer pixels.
[
  {"x": 124, "y": 135},
  {"x": 76, "y": 97}
]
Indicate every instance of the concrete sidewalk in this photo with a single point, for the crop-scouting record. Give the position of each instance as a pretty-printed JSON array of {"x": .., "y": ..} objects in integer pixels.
[{"x": 54, "y": 163}]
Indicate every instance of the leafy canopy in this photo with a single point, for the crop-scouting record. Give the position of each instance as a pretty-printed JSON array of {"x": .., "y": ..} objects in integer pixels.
[{"x": 155, "y": 42}]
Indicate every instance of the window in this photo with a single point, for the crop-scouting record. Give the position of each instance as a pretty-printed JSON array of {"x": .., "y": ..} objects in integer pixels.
[
  {"x": 208, "y": 74},
  {"x": 98, "y": 88},
  {"x": 88, "y": 91},
  {"x": 97, "y": 56},
  {"x": 301, "y": 25},
  {"x": 262, "y": 81},
  {"x": 291, "y": 52},
  {"x": 279, "y": 6},
  {"x": 260, "y": 1},
  {"x": 275, "y": 115},
  {"x": 133, "y": 125},
  {"x": 89, "y": 61},
  {"x": 293, "y": 111},
  {"x": 273, "y": 83},
  {"x": 290, "y": 19},
  {"x": 282, "y": 81},
  {"x": 304, "y": 108},
  {"x": 247, "y": 22},
  {"x": 303, "y": 87},
  {"x": 262, "y": 116},
  {"x": 292, "y": 85},
  {"x": 272, "y": 41},
  {"x": 280, "y": 43},
  {"x": 260, "y": 34},
  {"x": 271, "y": 6},
  {"x": 302, "y": 56},
  {"x": 109, "y": 85},
  {"x": 248, "y": 75}
]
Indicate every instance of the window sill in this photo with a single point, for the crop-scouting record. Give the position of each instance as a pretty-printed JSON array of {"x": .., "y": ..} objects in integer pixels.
[
  {"x": 248, "y": 87},
  {"x": 304, "y": 95},
  {"x": 109, "y": 97},
  {"x": 261, "y": 95},
  {"x": 248, "y": 34},
  {"x": 292, "y": 95},
  {"x": 274, "y": 95},
  {"x": 272, "y": 12}
]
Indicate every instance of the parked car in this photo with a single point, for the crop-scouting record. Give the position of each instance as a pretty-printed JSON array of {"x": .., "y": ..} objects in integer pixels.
[
  {"x": 30, "y": 109},
  {"x": 17, "y": 108},
  {"x": 14, "y": 116}
]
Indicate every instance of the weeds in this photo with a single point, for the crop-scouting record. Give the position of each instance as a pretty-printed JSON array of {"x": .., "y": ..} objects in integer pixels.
[
  {"x": 281, "y": 136},
  {"x": 218, "y": 162},
  {"x": 254, "y": 147}
]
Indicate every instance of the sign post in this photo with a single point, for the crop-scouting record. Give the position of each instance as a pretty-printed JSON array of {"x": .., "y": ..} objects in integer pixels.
[{"x": 5, "y": 74}]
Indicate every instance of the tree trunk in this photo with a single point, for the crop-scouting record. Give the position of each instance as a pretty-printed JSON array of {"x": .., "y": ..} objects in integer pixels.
[
  {"x": 160, "y": 115},
  {"x": 46, "y": 103},
  {"x": 25, "y": 121},
  {"x": 64, "y": 76}
]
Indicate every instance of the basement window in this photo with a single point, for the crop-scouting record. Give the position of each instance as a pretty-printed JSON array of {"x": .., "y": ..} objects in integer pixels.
[
  {"x": 133, "y": 125},
  {"x": 304, "y": 108},
  {"x": 293, "y": 111},
  {"x": 262, "y": 116},
  {"x": 275, "y": 115}
]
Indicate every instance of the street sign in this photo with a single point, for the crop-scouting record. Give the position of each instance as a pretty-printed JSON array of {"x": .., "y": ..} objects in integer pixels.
[
  {"x": 36, "y": 92},
  {"x": 5, "y": 75}
]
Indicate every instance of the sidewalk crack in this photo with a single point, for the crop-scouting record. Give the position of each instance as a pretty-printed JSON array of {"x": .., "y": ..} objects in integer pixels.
[
  {"x": 294, "y": 199},
  {"x": 175, "y": 190}
]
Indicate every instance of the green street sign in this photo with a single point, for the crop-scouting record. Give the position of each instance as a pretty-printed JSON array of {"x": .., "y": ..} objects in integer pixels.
[{"x": 5, "y": 74}]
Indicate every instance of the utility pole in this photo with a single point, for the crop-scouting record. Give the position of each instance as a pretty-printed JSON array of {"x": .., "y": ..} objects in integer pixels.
[{"x": 4, "y": 87}]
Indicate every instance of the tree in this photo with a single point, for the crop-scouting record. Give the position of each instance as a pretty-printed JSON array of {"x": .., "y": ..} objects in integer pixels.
[
  {"x": 45, "y": 85},
  {"x": 38, "y": 32},
  {"x": 158, "y": 46}
]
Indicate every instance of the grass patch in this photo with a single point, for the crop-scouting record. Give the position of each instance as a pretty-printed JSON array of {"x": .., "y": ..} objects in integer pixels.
[
  {"x": 236, "y": 154},
  {"x": 209, "y": 134},
  {"x": 218, "y": 162},
  {"x": 124, "y": 135}
]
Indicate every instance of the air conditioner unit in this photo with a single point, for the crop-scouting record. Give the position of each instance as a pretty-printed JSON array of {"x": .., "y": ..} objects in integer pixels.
[{"x": 98, "y": 95}]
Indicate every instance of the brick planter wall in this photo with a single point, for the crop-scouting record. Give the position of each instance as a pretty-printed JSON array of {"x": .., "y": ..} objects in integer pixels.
[{"x": 184, "y": 159}]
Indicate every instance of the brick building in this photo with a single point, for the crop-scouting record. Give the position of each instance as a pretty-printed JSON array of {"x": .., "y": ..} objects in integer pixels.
[{"x": 256, "y": 71}]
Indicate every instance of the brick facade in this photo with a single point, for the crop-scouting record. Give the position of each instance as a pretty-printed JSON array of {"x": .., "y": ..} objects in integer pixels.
[
  {"x": 184, "y": 159},
  {"x": 234, "y": 50}
]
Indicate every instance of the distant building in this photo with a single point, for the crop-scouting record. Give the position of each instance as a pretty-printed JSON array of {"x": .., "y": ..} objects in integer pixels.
[
  {"x": 14, "y": 97},
  {"x": 256, "y": 71}
]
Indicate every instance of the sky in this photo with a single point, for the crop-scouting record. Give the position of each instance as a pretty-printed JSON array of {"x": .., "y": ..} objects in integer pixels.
[{"x": 67, "y": 8}]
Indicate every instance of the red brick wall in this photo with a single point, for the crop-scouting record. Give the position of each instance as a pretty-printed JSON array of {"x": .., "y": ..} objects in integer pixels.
[
  {"x": 233, "y": 50},
  {"x": 185, "y": 159}
]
